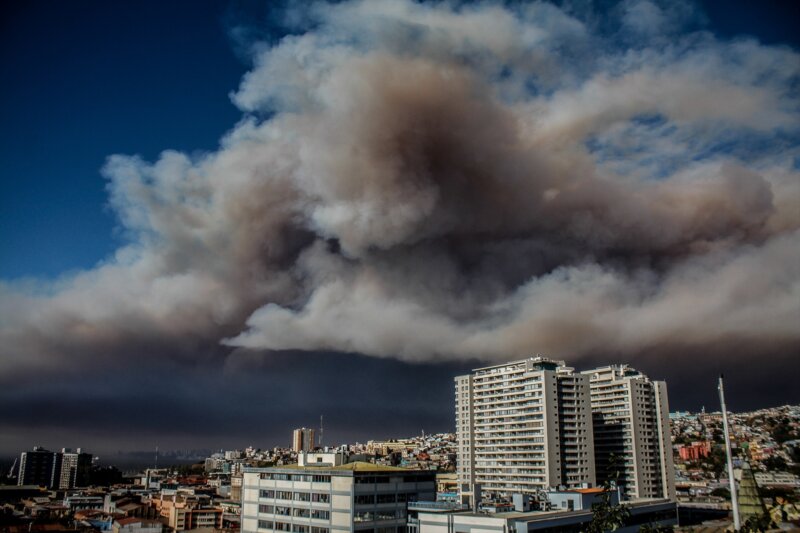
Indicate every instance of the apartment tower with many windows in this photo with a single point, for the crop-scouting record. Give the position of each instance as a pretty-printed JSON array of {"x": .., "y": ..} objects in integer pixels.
[
  {"x": 303, "y": 440},
  {"x": 631, "y": 423},
  {"x": 524, "y": 426}
]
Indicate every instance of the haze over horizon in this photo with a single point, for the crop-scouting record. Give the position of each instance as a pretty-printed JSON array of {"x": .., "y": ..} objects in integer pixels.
[{"x": 399, "y": 193}]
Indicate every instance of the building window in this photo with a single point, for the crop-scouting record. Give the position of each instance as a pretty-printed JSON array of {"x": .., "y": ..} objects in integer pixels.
[
  {"x": 302, "y": 496},
  {"x": 267, "y": 494},
  {"x": 297, "y": 528},
  {"x": 320, "y": 515},
  {"x": 385, "y": 515},
  {"x": 385, "y": 498},
  {"x": 265, "y": 524},
  {"x": 319, "y": 529},
  {"x": 304, "y": 513},
  {"x": 269, "y": 509},
  {"x": 365, "y": 499},
  {"x": 320, "y": 497},
  {"x": 322, "y": 479}
]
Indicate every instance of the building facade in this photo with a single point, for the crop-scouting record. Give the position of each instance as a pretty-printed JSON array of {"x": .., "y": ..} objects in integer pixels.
[
  {"x": 136, "y": 525},
  {"x": 631, "y": 431},
  {"x": 303, "y": 440},
  {"x": 523, "y": 427},
  {"x": 354, "y": 497},
  {"x": 430, "y": 517},
  {"x": 75, "y": 468},
  {"x": 39, "y": 467},
  {"x": 182, "y": 511},
  {"x": 54, "y": 470}
]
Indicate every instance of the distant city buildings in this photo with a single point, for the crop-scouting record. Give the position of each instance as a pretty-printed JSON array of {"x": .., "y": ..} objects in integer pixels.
[
  {"x": 303, "y": 440},
  {"x": 695, "y": 451},
  {"x": 184, "y": 511},
  {"x": 55, "y": 470},
  {"x": 534, "y": 437}
]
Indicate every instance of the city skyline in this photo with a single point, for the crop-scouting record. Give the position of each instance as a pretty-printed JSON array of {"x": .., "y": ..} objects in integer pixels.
[
  {"x": 238, "y": 435},
  {"x": 220, "y": 222}
]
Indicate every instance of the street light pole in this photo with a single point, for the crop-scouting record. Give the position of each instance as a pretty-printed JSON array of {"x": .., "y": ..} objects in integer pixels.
[{"x": 737, "y": 522}]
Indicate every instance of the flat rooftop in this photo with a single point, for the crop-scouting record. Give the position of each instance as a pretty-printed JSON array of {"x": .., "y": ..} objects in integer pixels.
[{"x": 357, "y": 466}]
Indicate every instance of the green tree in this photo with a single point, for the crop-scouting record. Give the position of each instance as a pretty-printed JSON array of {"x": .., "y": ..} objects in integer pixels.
[
  {"x": 654, "y": 528},
  {"x": 722, "y": 492},
  {"x": 757, "y": 523},
  {"x": 607, "y": 516},
  {"x": 775, "y": 463}
]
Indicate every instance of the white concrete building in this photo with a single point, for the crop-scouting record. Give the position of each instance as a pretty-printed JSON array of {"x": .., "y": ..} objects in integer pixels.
[
  {"x": 350, "y": 497},
  {"x": 435, "y": 517},
  {"x": 631, "y": 421},
  {"x": 523, "y": 427},
  {"x": 136, "y": 525}
]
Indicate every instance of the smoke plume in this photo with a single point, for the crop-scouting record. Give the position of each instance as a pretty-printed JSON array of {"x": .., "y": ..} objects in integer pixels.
[{"x": 430, "y": 182}]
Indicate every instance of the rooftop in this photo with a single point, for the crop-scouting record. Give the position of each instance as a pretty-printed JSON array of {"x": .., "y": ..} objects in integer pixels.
[
  {"x": 537, "y": 359},
  {"x": 356, "y": 466},
  {"x": 595, "y": 490},
  {"x": 135, "y": 520}
]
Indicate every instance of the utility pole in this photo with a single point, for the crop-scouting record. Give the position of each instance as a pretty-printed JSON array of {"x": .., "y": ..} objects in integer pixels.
[{"x": 737, "y": 522}]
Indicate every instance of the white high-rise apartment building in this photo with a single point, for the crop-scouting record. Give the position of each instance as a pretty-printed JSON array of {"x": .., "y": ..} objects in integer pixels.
[
  {"x": 524, "y": 426},
  {"x": 631, "y": 421}
]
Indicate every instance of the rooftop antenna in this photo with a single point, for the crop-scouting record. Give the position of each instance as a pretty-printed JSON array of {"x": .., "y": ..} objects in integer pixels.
[
  {"x": 156, "y": 467},
  {"x": 737, "y": 523},
  {"x": 320, "y": 431}
]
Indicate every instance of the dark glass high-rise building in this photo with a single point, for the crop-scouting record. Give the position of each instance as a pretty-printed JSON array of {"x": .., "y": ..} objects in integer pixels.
[{"x": 40, "y": 467}]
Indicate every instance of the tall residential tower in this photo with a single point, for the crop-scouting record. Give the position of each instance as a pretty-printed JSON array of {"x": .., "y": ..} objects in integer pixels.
[
  {"x": 303, "y": 440},
  {"x": 631, "y": 422},
  {"x": 524, "y": 426}
]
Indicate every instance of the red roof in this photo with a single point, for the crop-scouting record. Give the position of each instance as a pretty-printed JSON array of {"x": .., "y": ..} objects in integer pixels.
[{"x": 596, "y": 490}]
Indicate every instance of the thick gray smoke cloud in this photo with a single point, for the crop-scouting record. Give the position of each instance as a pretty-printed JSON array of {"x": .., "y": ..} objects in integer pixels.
[{"x": 432, "y": 182}]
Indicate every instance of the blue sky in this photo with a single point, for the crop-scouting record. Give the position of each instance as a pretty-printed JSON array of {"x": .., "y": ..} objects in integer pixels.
[
  {"x": 88, "y": 79},
  {"x": 85, "y": 80}
]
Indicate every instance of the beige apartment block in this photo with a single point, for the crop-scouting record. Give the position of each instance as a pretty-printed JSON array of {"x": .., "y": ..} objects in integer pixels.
[
  {"x": 303, "y": 440},
  {"x": 523, "y": 427},
  {"x": 631, "y": 422}
]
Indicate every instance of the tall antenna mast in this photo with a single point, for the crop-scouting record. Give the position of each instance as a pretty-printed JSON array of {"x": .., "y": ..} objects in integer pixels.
[
  {"x": 320, "y": 431},
  {"x": 737, "y": 523},
  {"x": 156, "y": 457}
]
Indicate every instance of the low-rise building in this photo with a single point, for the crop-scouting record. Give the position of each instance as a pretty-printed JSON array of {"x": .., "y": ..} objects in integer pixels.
[
  {"x": 349, "y": 497},
  {"x": 183, "y": 511},
  {"x": 435, "y": 517},
  {"x": 136, "y": 525},
  {"x": 695, "y": 451}
]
